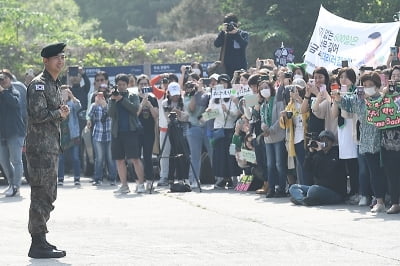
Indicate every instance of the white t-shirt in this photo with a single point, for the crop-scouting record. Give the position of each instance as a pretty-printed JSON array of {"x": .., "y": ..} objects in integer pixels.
[
  {"x": 347, "y": 145},
  {"x": 298, "y": 126}
]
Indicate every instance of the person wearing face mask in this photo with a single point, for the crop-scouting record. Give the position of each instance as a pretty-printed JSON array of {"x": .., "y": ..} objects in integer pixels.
[
  {"x": 370, "y": 136},
  {"x": 323, "y": 163},
  {"x": 292, "y": 120},
  {"x": 274, "y": 137},
  {"x": 347, "y": 140},
  {"x": 298, "y": 70},
  {"x": 391, "y": 154}
]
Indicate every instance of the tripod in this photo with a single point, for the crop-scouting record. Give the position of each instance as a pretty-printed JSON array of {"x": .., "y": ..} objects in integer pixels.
[{"x": 178, "y": 144}]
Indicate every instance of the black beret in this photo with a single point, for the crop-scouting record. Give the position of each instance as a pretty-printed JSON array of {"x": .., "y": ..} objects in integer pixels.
[{"x": 52, "y": 49}]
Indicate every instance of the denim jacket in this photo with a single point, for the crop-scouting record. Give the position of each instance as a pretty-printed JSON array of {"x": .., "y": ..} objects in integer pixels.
[{"x": 11, "y": 121}]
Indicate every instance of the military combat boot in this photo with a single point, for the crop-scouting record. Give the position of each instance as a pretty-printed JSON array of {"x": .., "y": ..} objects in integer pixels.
[
  {"x": 40, "y": 249},
  {"x": 52, "y": 246}
]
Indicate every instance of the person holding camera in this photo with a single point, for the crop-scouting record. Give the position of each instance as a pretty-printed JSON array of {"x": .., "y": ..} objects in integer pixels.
[
  {"x": 234, "y": 41},
  {"x": 370, "y": 136},
  {"x": 148, "y": 114},
  {"x": 329, "y": 179},
  {"x": 347, "y": 135},
  {"x": 195, "y": 102},
  {"x": 100, "y": 120},
  {"x": 126, "y": 131},
  {"x": 70, "y": 136},
  {"x": 292, "y": 120},
  {"x": 274, "y": 139},
  {"x": 177, "y": 118}
]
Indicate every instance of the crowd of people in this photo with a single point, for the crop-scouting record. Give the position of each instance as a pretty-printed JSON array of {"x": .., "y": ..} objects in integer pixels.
[{"x": 309, "y": 131}]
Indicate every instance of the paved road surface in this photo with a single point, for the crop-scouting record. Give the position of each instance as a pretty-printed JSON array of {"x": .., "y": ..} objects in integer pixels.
[{"x": 96, "y": 227}]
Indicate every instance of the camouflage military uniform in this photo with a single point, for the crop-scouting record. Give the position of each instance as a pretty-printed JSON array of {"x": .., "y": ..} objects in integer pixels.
[{"x": 43, "y": 147}]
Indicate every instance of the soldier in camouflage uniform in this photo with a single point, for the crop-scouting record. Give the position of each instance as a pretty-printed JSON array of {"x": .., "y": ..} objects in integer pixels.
[{"x": 45, "y": 112}]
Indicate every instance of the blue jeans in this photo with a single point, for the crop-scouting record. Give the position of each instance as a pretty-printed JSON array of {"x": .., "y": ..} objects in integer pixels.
[
  {"x": 276, "y": 163},
  {"x": 322, "y": 195},
  {"x": 102, "y": 152},
  {"x": 302, "y": 177},
  {"x": 11, "y": 159},
  {"x": 76, "y": 163},
  {"x": 196, "y": 137}
]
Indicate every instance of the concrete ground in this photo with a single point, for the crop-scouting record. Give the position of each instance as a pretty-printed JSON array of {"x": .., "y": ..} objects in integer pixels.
[{"x": 97, "y": 227}]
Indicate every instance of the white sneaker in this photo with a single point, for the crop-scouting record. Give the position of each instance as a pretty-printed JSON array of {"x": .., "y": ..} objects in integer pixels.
[
  {"x": 363, "y": 201},
  {"x": 194, "y": 185},
  {"x": 123, "y": 189},
  {"x": 140, "y": 188},
  {"x": 7, "y": 189},
  {"x": 378, "y": 208}
]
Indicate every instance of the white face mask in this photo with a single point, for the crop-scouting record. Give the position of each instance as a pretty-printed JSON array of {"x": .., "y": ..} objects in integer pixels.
[
  {"x": 265, "y": 93},
  {"x": 197, "y": 71},
  {"x": 369, "y": 91},
  {"x": 297, "y": 76}
]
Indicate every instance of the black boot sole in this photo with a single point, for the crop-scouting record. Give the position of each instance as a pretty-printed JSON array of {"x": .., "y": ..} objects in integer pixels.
[{"x": 46, "y": 253}]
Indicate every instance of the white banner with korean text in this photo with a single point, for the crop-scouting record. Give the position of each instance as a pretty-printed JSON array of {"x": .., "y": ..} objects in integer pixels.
[{"x": 336, "y": 39}]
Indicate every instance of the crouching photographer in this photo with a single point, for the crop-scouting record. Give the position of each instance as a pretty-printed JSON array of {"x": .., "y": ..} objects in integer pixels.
[{"x": 329, "y": 177}]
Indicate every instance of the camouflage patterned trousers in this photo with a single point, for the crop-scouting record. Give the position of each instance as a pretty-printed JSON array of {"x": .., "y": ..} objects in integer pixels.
[{"x": 42, "y": 169}]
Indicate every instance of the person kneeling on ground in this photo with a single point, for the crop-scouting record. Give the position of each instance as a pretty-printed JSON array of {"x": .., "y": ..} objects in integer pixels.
[{"x": 329, "y": 178}]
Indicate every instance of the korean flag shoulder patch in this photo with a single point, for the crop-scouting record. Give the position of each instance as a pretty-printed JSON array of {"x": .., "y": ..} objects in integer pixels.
[{"x": 39, "y": 87}]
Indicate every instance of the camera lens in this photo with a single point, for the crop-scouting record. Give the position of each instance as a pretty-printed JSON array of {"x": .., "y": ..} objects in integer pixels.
[{"x": 289, "y": 114}]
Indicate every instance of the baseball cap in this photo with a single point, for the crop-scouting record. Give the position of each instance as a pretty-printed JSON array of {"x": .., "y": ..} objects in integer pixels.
[
  {"x": 224, "y": 77},
  {"x": 299, "y": 82},
  {"x": 174, "y": 89},
  {"x": 328, "y": 134},
  {"x": 52, "y": 49},
  {"x": 214, "y": 76}
]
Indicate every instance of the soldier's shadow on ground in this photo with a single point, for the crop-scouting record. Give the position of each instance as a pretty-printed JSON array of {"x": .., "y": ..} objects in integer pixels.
[{"x": 41, "y": 262}]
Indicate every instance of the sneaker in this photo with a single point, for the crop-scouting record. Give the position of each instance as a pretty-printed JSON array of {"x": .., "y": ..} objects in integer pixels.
[
  {"x": 140, "y": 188},
  {"x": 220, "y": 183},
  {"x": 77, "y": 183},
  {"x": 194, "y": 185},
  {"x": 229, "y": 183},
  {"x": 354, "y": 199},
  {"x": 112, "y": 183},
  {"x": 163, "y": 182},
  {"x": 378, "y": 208},
  {"x": 96, "y": 183},
  {"x": 7, "y": 189},
  {"x": 123, "y": 189},
  {"x": 363, "y": 201},
  {"x": 60, "y": 183},
  {"x": 14, "y": 192}
]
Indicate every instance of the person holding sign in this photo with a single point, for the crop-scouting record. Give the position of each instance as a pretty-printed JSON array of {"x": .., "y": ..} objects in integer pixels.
[
  {"x": 370, "y": 136},
  {"x": 224, "y": 164},
  {"x": 391, "y": 155}
]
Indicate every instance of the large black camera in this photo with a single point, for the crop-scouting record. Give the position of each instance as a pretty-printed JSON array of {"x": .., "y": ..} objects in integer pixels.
[
  {"x": 313, "y": 139},
  {"x": 288, "y": 75},
  {"x": 115, "y": 91},
  {"x": 173, "y": 117},
  {"x": 190, "y": 88},
  {"x": 230, "y": 26}
]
